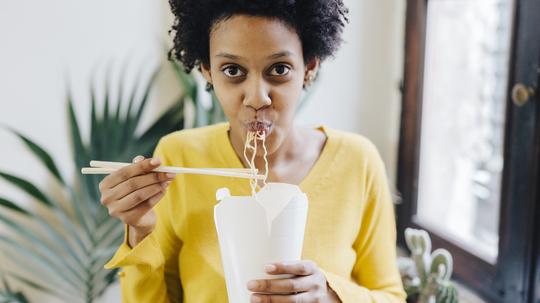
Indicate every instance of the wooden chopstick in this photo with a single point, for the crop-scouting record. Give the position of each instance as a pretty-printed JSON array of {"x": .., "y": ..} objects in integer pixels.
[
  {"x": 107, "y": 167},
  {"x": 109, "y": 164}
]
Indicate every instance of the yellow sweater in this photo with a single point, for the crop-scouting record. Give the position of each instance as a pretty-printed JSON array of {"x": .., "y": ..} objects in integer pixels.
[{"x": 350, "y": 231}]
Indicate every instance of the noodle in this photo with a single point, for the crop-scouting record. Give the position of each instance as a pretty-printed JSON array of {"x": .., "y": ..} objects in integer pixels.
[{"x": 251, "y": 144}]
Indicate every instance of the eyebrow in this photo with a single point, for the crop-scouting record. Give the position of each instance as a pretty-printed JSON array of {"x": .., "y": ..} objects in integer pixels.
[
  {"x": 280, "y": 54},
  {"x": 273, "y": 56}
]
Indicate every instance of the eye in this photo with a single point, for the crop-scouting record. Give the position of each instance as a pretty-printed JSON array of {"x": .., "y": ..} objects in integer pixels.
[
  {"x": 280, "y": 70},
  {"x": 232, "y": 71}
]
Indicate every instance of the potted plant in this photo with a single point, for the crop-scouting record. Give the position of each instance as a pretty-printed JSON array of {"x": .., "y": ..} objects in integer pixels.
[
  {"x": 61, "y": 249},
  {"x": 426, "y": 275}
]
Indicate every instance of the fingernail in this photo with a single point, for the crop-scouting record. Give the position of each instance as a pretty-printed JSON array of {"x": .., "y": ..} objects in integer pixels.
[
  {"x": 171, "y": 175},
  {"x": 256, "y": 299},
  {"x": 155, "y": 161},
  {"x": 252, "y": 285},
  {"x": 166, "y": 184},
  {"x": 137, "y": 159},
  {"x": 270, "y": 268}
]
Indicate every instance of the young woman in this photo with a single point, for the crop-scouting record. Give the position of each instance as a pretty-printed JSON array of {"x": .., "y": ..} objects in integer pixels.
[{"x": 257, "y": 55}]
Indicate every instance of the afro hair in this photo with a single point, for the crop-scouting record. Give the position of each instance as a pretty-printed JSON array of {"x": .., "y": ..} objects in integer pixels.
[{"x": 318, "y": 23}]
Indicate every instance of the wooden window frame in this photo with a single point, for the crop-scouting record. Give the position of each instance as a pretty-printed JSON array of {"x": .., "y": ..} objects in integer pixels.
[{"x": 516, "y": 277}]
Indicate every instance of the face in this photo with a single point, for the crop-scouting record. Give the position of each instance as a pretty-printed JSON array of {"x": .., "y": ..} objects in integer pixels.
[{"x": 258, "y": 72}]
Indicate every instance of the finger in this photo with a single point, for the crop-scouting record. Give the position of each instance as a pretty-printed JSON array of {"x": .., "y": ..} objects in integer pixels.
[
  {"x": 138, "y": 158},
  {"x": 282, "y": 286},
  {"x": 135, "y": 169},
  {"x": 135, "y": 215},
  {"x": 135, "y": 198},
  {"x": 103, "y": 185},
  {"x": 132, "y": 184},
  {"x": 303, "y": 297},
  {"x": 156, "y": 198},
  {"x": 297, "y": 268}
]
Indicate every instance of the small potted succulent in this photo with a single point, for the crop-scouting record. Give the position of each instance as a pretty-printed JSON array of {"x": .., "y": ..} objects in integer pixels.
[{"x": 426, "y": 275}]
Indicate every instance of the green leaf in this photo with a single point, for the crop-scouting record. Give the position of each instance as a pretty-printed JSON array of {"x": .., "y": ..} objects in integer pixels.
[
  {"x": 218, "y": 114},
  {"x": 13, "y": 206},
  {"x": 39, "y": 242},
  {"x": 188, "y": 83},
  {"x": 28, "y": 188},
  {"x": 106, "y": 227},
  {"x": 5, "y": 282},
  {"x": 103, "y": 281},
  {"x": 81, "y": 155},
  {"x": 171, "y": 120},
  {"x": 33, "y": 284},
  {"x": 88, "y": 183},
  {"x": 46, "y": 249},
  {"x": 42, "y": 155},
  {"x": 126, "y": 129},
  {"x": 115, "y": 129},
  {"x": 33, "y": 191},
  {"x": 81, "y": 207},
  {"x": 95, "y": 140},
  {"x": 52, "y": 232},
  {"x": 144, "y": 99},
  {"x": 12, "y": 297},
  {"x": 38, "y": 285},
  {"x": 201, "y": 116},
  {"x": 57, "y": 237},
  {"x": 106, "y": 120},
  {"x": 27, "y": 255},
  {"x": 133, "y": 118},
  {"x": 109, "y": 242}
]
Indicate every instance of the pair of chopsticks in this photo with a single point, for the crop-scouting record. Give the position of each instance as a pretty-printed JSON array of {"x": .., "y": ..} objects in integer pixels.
[{"x": 107, "y": 167}]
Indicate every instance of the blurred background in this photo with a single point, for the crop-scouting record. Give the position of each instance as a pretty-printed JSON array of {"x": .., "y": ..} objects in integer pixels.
[{"x": 463, "y": 74}]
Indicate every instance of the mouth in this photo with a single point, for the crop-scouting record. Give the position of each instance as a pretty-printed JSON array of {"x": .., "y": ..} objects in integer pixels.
[{"x": 259, "y": 127}]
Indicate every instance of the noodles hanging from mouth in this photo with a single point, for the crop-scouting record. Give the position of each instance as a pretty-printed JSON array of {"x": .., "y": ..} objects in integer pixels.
[{"x": 251, "y": 145}]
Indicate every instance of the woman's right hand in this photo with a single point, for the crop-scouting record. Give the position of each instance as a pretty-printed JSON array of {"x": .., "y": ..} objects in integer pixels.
[{"x": 131, "y": 192}]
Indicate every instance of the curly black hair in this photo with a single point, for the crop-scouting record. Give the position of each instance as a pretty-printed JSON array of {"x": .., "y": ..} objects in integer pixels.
[{"x": 319, "y": 24}]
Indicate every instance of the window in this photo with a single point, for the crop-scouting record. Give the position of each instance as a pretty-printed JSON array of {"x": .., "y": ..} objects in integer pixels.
[{"x": 468, "y": 159}]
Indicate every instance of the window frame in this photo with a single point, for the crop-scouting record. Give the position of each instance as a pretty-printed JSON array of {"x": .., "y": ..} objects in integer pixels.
[{"x": 517, "y": 270}]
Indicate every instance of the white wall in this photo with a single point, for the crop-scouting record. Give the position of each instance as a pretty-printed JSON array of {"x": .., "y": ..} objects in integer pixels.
[
  {"x": 358, "y": 90},
  {"x": 44, "y": 42}
]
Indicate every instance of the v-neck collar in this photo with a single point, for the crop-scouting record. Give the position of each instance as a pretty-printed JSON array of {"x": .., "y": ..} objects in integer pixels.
[{"x": 320, "y": 169}]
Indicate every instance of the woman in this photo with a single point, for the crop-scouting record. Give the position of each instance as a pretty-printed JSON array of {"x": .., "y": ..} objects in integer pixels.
[{"x": 257, "y": 55}]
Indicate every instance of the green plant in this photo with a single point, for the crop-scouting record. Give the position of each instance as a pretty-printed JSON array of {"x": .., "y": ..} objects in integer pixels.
[
  {"x": 426, "y": 277},
  {"x": 7, "y": 295},
  {"x": 59, "y": 246},
  {"x": 204, "y": 115}
]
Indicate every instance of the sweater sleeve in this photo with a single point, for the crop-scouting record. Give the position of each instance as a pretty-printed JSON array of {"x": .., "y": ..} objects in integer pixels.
[
  {"x": 149, "y": 271},
  {"x": 375, "y": 277}
]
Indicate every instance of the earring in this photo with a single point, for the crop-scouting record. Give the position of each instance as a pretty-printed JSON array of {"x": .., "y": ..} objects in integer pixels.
[
  {"x": 209, "y": 87},
  {"x": 308, "y": 80}
]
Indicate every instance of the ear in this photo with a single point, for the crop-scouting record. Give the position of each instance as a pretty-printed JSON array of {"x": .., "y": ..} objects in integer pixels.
[
  {"x": 206, "y": 72},
  {"x": 312, "y": 68}
]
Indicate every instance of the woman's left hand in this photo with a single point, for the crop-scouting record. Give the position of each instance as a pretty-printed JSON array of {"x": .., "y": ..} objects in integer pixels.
[{"x": 308, "y": 285}]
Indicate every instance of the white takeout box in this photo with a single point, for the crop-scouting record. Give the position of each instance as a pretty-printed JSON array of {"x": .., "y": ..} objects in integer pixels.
[{"x": 257, "y": 231}]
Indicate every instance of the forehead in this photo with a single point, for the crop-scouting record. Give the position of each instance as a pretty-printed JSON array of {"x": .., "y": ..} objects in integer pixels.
[{"x": 253, "y": 37}]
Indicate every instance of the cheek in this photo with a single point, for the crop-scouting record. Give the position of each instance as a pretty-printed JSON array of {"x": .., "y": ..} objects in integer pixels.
[
  {"x": 229, "y": 99},
  {"x": 290, "y": 90},
  {"x": 285, "y": 99}
]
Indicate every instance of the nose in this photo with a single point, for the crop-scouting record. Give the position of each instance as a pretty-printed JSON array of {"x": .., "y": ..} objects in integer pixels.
[{"x": 257, "y": 94}]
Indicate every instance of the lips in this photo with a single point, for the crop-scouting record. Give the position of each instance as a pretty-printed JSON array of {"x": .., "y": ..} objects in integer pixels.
[{"x": 258, "y": 126}]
